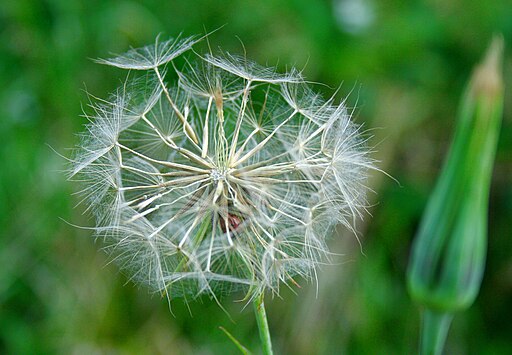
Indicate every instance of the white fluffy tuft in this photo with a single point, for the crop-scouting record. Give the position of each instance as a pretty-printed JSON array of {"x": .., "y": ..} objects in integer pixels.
[{"x": 231, "y": 177}]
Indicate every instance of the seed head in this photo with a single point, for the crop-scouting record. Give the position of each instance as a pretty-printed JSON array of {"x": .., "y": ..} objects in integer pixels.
[{"x": 219, "y": 175}]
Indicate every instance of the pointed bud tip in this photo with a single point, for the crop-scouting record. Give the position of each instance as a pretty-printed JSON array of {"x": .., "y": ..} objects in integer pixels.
[{"x": 487, "y": 79}]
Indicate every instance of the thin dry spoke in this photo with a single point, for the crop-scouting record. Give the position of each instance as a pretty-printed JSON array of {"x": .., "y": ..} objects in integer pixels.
[
  {"x": 247, "y": 141},
  {"x": 165, "y": 184},
  {"x": 174, "y": 173},
  {"x": 263, "y": 241},
  {"x": 198, "y": 217},
  {"x": 165, "y": 163},
  {"x": 265, "y": 180},
  {"x": 157, "y": 207},
  {"x": 241, "y": 114},
  {"x": 286, "y": 215},
  {"x": 188, "y": 128},
  {"x": 214, "y": 229},
  {"x": 171, "y": 144},
  {"x": 262, "y": 192},
  {"x": 177, "y": 215},
  {"x": 263, "y": 142},
  {"x": 206, "y": 132}
]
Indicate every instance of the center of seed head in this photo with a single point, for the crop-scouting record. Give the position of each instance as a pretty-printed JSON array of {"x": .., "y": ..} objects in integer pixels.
[{"x": 218, "y": 174}]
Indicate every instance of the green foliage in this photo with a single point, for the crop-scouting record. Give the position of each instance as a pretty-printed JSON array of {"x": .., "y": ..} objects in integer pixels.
[
  {"x": 403, "y": 70},
  {"x": 448, "y": 257}
]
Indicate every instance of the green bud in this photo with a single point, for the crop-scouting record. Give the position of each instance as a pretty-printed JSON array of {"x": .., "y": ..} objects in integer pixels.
[{"x": 448, "y": 255}]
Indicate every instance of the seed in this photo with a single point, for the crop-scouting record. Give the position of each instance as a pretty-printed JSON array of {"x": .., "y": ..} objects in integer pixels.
[{"x": 233, "y": 222}]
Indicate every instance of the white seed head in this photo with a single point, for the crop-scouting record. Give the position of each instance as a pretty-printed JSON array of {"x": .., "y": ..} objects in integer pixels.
[{"x": 231, "y": 176}]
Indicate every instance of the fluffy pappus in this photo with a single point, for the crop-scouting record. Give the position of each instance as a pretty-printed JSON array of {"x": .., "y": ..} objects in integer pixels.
[{"x": 218, "y": 175}]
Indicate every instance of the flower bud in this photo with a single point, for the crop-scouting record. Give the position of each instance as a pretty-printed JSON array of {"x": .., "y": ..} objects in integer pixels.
[{"x": 448, "y": 256}]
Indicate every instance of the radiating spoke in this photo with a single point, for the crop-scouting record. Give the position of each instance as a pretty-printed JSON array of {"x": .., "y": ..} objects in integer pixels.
[
  {"x": 239, "y": 119},
  {"x": 187, "y": 127},
  {"x": 171, "y": 144},
  {"x": 260, "y": 145},
  {"x": 165, "y": 163}
]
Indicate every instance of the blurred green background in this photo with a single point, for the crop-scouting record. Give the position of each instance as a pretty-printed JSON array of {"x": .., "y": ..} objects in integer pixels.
[{"x": 402, "y": 64}]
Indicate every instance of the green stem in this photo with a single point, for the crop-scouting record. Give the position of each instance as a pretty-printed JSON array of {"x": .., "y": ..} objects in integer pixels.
[
  {"x": 434, "y": 329},
  {"x": 261, "y": 319}
]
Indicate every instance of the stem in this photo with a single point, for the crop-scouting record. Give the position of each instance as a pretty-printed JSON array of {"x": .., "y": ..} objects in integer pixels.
[
  {"x": 261, "y": 319},
  {"x": 434, "y": 329}
]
